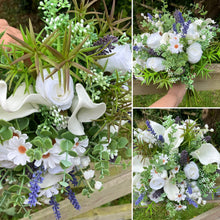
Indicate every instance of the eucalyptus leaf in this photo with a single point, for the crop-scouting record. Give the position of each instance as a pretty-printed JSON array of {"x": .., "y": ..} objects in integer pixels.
[
  {"x": 66, "y": 145},
  {"x": 66, "y": 163}
]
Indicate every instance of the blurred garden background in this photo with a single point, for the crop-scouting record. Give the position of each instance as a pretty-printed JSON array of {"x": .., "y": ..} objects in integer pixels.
[{"x": 206, "y": 98}]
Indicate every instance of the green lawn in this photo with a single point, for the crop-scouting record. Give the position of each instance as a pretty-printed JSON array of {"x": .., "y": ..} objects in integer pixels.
[
  {"x": 206, "y": 99},
  {"x": 159, "y": 212}
]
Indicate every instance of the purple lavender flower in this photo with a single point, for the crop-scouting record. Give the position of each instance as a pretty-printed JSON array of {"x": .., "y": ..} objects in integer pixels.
[
  {"x": 136, "y": 48},
  {"x": 103, "y": 42},
  {"x": 35, "y": 188},
  {"x": 55, "y": 207},
  {"x": 150, "y": 16},
  {"x": 72, "y": 198},
  {"x": 174, "y": 28},
  {"x": 74, "y": 180},
  {"x": 207, "y": 138},
  {"x": 161, "y": 139},
  {"x": 185, "y": 28},
  {"x": 189, "y": 189},
  {"x": 192, "y": 202},
  {"x": 152, "y": 52},
  {"x": 150, "y": 128},
  {"x": 183, "y": 158},
  {"x": 160, "y": 15},
  {"x": 178, "y": 120},
  {"x": 140, "y": 198},
  {"x": 179, "y": 17}
]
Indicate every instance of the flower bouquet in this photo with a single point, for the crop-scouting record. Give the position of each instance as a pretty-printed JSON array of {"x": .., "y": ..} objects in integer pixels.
[
  {"x": 176, "y": 165},
  {"x": 176, "y": 48},
  {"x": 64, "y": 108}
]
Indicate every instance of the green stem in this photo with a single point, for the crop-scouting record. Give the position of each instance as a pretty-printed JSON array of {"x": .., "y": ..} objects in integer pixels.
[{"x": 88, "y": 183}]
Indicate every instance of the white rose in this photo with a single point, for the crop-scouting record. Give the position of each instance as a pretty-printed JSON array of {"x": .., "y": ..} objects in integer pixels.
[
  {"x": 155, "y": 64},
  {"x": 120, "y": 61},
  {"x": 51, "y": 90},
  {"x": 191, "y": 171},
  {"x": 98, "y": 185},
  {"x": 88, "y": 174},
  {"x": 153, "y": 40},
  {"x": 157, "y": 183},
  {"x": 194, "y": 52}
]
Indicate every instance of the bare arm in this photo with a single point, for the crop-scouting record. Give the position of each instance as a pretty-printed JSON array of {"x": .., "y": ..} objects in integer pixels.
[{"x": 173, "y": 98}]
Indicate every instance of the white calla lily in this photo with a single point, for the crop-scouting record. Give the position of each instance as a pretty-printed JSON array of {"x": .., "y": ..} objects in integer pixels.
[
  {"x": 20, "y": 104},
  {"x": 178, "y": 135},
  {"x": 50, "y": 180},
  {"x": 171, "y": 190},
  {"x": 158, "y": 128},
  {"x": 207, "y": 154},
  {"x": 139, "y": 163},
  {"x": 83, "y": 110},
  {"x": 137, "y": 181}
]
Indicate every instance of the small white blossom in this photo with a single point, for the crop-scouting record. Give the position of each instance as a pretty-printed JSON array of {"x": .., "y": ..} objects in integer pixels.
[
  {"x": 88, "y": 174},
  {"x": 98, "y": 185}
]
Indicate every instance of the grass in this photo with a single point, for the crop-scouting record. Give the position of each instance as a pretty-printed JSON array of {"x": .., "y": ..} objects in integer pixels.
[
  {"x": 206, "y": 99},
  {"x": 160, "y": 212}
]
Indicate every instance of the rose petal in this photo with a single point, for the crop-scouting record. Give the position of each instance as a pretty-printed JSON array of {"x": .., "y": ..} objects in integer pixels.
[
  {"x": 171, "y": 190},
  {"x": 207, "y": 154}
]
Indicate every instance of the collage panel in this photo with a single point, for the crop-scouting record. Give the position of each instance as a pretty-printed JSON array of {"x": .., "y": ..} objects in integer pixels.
[
  {"x": 176, "y": 53},
  {"x": 65, "y": 109},
  {"x": 176, "y": 164}
]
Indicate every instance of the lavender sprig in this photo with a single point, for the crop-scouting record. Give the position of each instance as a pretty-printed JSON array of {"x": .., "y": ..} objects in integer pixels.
[
  {"x": 55, "y": 207},
  {"x": 35, "y": 188},
  {"x": 183, "y": 158},
  {"x": 192, "y": 202},
  {"x": 140, "y": 198},
  {"x": 103, "y": 42},
  {"x": 72, "y": 198}
]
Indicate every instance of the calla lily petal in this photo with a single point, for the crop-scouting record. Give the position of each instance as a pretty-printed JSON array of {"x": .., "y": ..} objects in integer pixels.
[
  {"x": 50, "y": 180},
  {"x": 171, "y": 190},
  {"x": 137, "y": 181},
  {"x": 20, "y": 104},
  {"x": 139, "y": 163},
  {"x": 207, "y": 154},
  {"x": 158, "y": 128},
  {"x": 178, "y": 135},
  {"x": 83, "y": 110}
]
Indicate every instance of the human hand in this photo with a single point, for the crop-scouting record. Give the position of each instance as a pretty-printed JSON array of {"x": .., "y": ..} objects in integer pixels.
[
  {"x": 173, "y": 97},
  {"x": 6, "y": 39}
]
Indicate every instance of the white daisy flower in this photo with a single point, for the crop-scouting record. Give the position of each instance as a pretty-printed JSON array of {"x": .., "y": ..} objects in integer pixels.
[
  {"x": 164, "y": 158},
  {"x": 180, "y": 207},
  {"x": 175, "y": 46},
  {"x": 80, "y": 146},
  {"x": 17, "y": 133},
  {"x": 175, "y": 169},
  {"x": 51, "y": 158},
  {"x": 17, "y": 148},
  {"x": 180, "y": 197}
]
